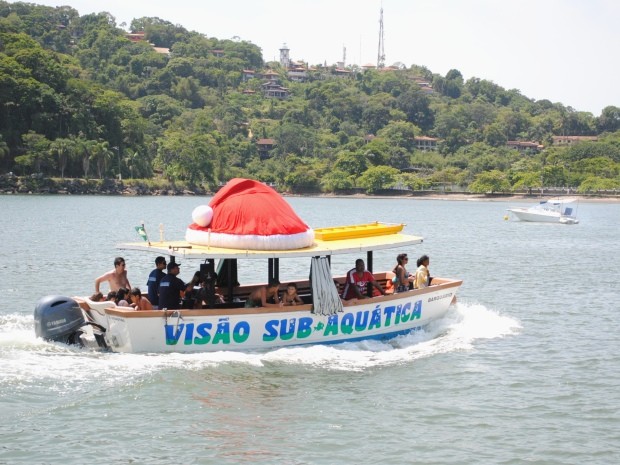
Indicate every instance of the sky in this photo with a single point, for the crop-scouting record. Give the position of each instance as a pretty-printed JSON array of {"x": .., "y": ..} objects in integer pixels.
[{"x": 564, "y": 51}]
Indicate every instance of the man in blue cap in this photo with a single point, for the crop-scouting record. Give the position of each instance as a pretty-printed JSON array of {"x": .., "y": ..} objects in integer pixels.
[{"x": 171, "y": 288}]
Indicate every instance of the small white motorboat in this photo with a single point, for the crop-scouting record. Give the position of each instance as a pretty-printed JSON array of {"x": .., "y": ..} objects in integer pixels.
[{"x": 557, "y": 210}]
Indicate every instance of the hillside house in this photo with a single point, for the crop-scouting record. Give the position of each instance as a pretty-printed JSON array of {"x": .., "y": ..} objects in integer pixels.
[
  {"x": 265, "y": 146},
  {"x": 524, "y": 146},
  {"x": 425, "y": 143},
  {"x": 570, "y": 140}
]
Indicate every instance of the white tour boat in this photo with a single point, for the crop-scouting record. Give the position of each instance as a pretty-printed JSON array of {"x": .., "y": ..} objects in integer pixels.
[
  {"x": 558, "y": 210},
  {"x": 222, "y": 231}
]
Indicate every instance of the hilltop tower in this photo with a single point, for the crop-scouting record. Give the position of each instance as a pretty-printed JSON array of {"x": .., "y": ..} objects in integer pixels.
[
  {"x": 285, "y": 60},
  {"x": 381, "y": 51}
]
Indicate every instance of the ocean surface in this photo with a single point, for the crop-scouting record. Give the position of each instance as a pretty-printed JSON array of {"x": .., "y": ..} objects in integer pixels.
[{"x": 525, "y": 369}]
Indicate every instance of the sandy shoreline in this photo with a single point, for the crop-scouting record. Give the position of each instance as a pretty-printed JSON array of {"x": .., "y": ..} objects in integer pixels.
[{"x": 474, "y": 197}]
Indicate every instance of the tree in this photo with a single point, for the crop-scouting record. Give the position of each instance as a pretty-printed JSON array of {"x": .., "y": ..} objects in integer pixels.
[
  {"x": 376, "y": 112},
  {"x": 609, "y": 121},
  {"x": 527, "y": 180},
  {"x": 4, "y": 148},
  {"x": 102, "y": 154},
  {"x": 85, "y": 150},
  {"x": 602, "y": 167},
  {"x": 294, "y": 138},
  {"x": 189, "y": 158},
  {"x": 336, "y": 180},
  {"x": 416, "y": 105},
  {"x": 399, "y": 134},
  {"x": 351, "y": 163},
  {"x": 37, "y": 154},
  {"x": 414, "y": 182},
  {"x": 595, "y": 184},
  {"x": 554, "y": 176},
  {"x": 490, "y": 182},
  {"x": 494, "y": 135},
  {"x": 377, "y": 178},
  {"x": 63, "y": 149},
  {"x": 446, "y": 176}
]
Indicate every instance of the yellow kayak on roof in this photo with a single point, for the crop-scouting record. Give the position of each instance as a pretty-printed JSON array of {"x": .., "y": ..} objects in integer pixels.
[{"x": 356, "y": 231}]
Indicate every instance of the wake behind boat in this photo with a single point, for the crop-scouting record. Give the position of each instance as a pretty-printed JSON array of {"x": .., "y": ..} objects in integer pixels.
[
  {"x": 230, "y": 229},
  {"x": 557, "y": 210}
]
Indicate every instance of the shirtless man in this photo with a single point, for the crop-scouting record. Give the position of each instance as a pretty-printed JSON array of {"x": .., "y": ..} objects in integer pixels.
[
  {"x": 266, "y": 296},
  {"x": 116, "y": 278}
]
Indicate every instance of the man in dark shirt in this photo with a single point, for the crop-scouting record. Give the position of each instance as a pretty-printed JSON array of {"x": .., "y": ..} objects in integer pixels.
[
  {"x": 154, "y": 280},
  {"x": 171, "y": 288}
]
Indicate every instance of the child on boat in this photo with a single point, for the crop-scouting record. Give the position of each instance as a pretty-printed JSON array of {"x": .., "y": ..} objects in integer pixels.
[
  {"x": 138, "y": 301},
  {"x": 291, "y": 297}
]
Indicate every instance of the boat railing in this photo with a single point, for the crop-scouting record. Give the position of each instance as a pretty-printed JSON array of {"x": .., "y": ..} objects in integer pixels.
[{"x": 242, "y": 293}]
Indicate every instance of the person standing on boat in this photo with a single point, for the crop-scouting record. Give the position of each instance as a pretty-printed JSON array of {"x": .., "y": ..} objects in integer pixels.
[
  {"x": 171, "y": 288},
  {"x": 154, "y": 279},
  {"x": 401, "y": 280},
  {"x": 422, "y": 275},
  {"x": 357, "y": 282},
  {"x": 116, "y": 278}
]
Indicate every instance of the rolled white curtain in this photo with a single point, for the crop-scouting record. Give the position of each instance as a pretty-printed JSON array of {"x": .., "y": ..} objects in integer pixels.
[{"x": 324, "y": 293}]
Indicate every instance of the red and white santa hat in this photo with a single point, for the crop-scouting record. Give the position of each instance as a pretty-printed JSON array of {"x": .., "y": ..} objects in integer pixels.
[{"x": 248, "y": 215}]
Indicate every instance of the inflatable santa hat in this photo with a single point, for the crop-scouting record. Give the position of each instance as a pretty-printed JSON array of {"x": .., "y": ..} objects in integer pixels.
[{"x": 248, "y": 215}]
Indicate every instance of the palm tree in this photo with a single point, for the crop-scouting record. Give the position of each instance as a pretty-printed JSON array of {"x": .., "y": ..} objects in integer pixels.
[
  {"x": 4, "y": 148},
  {"x": 62, "y": 148},
  {"x": 85, "y": 149},
  {"x": 101, "y": 154},
  {"x": 133, "y": 161}
]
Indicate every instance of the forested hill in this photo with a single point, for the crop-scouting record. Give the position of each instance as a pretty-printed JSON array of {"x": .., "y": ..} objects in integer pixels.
[{"x": 81, "y": 98}]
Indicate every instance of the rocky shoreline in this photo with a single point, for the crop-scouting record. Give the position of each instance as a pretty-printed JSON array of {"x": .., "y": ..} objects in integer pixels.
[{"x": 11, "y": 184}]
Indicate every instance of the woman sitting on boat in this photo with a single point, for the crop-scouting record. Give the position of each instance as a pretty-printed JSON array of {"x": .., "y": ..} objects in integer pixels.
[
  {"x": 401, "y": 280},
  {"x": 422, "y": 275},
  {"x": 266, "y": 296}
]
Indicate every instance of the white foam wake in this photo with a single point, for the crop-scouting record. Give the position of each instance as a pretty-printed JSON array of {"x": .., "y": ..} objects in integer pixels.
[{"x": 27, "y": 359}]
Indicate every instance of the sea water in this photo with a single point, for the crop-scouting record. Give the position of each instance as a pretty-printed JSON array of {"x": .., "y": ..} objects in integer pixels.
[{"x": 524, "y": 369}]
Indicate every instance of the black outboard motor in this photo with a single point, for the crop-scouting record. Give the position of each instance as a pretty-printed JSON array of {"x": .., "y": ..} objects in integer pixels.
[{"x": 60, "y": 319}]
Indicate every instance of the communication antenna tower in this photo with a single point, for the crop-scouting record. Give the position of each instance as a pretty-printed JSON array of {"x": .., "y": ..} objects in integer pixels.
[
  {"x": 381, "y": 52},
  {"x": 344, "y": 56}
]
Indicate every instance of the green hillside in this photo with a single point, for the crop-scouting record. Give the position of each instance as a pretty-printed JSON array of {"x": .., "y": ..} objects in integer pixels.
[{"x": 80, "y": 98}]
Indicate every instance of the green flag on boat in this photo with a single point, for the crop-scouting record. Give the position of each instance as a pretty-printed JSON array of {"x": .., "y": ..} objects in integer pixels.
[{"x": 142, "y": 232}]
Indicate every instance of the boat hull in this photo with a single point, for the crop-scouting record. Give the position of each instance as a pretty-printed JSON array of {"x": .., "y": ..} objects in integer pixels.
[
  {"x": 550, "y": 211},
  {"x": 525, "y": 214},
  {"x": 241, "y": 329}
]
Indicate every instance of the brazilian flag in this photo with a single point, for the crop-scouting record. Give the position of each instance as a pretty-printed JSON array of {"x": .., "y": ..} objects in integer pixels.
[{"x": 142, "y": 232}]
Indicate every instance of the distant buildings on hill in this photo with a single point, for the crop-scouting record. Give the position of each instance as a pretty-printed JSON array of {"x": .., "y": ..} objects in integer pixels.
[
  {"x": 431, "y": 144},
  {"x": 570, "y": 140},
  {"x": 298, "y": 71},
  {"x": 141, "y": 36}
]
